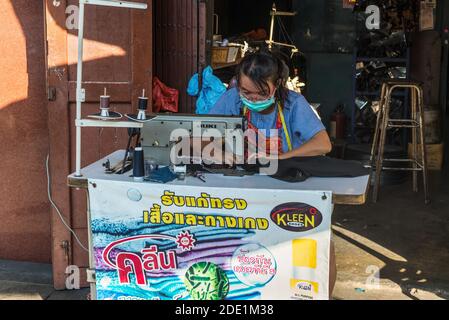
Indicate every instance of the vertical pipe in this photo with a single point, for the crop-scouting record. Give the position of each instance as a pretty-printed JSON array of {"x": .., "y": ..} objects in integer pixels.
[
  {"x": 198, "y": 46},
  {"x": 93, "y": 286},
  {"x": 354, "y": 96},
  {"x": 79, "y": 78},
  {"x": 444, "y": 100},
  {"x": 406, "y": 134},
  {"x": 273, "y": 16},
  {"x": 423, "y": 145},
  {"x": 374, "y": 148},
  {"x": 216, "y": 21},
  {"x": 383, "y": 137},
  {"x": 414, "y": 117}
]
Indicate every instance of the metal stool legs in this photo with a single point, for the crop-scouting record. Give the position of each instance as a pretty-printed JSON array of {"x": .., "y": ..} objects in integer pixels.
[{"x": 416, "y": 123}]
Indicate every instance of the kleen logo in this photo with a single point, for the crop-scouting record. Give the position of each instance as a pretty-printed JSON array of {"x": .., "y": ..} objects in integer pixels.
[{"x": 296, "y": 217}]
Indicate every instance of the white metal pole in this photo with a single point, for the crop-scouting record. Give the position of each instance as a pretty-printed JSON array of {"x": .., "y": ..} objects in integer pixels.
[
  {"x": 92, "y": 266},
  {"x": 79, "y": 91}
]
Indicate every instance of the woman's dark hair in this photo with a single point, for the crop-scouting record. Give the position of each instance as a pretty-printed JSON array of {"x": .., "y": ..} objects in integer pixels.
[{"x": 264, "y": 66}]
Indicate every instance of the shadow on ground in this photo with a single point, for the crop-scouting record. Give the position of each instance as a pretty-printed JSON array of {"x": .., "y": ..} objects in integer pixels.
[{"x": 408, "y": 240}]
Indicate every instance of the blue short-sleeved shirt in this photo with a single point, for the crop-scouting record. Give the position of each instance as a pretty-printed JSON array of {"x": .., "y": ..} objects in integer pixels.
[{"x": 303, "y": 123}]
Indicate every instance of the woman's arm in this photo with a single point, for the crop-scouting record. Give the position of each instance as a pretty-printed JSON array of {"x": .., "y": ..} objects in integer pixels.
[{"x": 319, "y": 145}]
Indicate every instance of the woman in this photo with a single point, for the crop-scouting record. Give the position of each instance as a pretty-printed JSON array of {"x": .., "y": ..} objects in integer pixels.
[{"x": 261, "y": 95}]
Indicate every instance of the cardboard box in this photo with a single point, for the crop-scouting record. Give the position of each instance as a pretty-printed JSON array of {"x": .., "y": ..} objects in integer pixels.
[
  {"x": 221, "y": 55},
  {"x": 435, "y": 155}
]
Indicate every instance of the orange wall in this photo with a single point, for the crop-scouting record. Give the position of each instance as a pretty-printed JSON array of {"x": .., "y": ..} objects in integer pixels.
[{"x": 24, "y": 207}]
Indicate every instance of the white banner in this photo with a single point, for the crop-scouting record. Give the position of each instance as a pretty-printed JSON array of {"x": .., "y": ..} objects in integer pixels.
[{"x": 166, "y": 242}]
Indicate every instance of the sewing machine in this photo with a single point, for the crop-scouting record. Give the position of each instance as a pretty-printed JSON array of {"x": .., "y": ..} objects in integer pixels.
[{"x": 160, "y": 134}]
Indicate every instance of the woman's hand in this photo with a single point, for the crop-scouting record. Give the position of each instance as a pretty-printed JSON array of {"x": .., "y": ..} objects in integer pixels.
[{"x": 263, "y": 157}]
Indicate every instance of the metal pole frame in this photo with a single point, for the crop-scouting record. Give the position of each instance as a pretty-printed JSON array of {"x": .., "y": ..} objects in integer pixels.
[
  {"x": 80, "y": 98},
  {"x": 80, "y": 92}
]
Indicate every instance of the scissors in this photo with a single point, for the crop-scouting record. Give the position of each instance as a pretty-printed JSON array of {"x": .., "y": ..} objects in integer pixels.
[{"x": 200, "y": 175}]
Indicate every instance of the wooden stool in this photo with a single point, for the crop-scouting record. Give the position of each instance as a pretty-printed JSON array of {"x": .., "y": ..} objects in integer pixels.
[{"x": 416, "y": 123}]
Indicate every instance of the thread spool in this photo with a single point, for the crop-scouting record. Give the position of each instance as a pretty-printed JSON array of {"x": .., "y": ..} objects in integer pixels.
[
  {"x": 105, "y": 114},
  {"x": 138, "y": 165},
  {"x": 105, "y": 102},
  {"x": 143, "y": 106},
  {"x": 143, "y": 101}
]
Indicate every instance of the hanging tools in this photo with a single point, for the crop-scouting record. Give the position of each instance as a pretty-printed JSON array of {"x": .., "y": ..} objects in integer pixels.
[{"x": 275, "y": 14}]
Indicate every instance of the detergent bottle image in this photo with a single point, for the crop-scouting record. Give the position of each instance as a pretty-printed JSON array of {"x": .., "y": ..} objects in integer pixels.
[{"x": 304, "y": 259}]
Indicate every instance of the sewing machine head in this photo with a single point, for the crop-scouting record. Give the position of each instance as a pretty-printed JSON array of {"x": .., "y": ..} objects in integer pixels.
[{"x": 160, "y": 135}]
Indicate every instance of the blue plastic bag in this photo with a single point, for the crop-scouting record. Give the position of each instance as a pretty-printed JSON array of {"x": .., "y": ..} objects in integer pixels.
[{"x": 211, "y": 91}]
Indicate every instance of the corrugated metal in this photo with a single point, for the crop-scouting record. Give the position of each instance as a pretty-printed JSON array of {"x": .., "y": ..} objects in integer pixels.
[{"x": 180, "y": 27}]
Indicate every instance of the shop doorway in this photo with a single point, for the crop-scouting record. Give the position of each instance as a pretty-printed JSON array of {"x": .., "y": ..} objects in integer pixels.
[
  {"x": 186, "y": 32},
  {"x": 249, "y": 24}
]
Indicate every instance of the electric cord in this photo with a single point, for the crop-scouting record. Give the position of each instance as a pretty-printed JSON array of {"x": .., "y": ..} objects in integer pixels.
[{"x": 57, "y": 209}]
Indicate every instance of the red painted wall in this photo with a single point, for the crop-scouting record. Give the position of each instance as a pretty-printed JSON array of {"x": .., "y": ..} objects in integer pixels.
[{"x": 24, "y": 207}]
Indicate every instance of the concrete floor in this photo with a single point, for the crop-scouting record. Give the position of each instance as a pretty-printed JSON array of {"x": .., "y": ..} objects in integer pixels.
[
  {"x": 402, "y": 239},
  {"x": 32, "y": 281}
]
